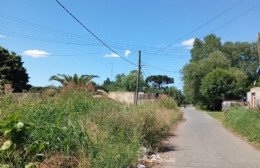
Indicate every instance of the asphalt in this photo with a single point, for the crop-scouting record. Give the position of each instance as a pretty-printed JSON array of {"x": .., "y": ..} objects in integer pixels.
[{"x": 202, "y": 142}]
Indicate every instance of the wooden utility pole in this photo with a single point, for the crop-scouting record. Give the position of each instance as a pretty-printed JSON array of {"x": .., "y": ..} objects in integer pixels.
[
  {"x": 138, "y": 78},
  {"x": 258, "y": 46}
]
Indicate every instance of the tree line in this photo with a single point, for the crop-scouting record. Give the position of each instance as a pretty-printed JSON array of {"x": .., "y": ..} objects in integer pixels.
[{"x": 218, "y": 72}]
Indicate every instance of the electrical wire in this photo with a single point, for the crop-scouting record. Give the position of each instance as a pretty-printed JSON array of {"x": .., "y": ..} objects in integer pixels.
[
  {"x": 161, "y": 69},
  {"x": 203, "y": 25},
  {"x": 236, "y": 17},
  {"x": 93, "y": 34}
]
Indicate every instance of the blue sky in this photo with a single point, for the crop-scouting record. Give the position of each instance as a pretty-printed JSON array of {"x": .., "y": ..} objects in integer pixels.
[{"x": 51, "y": 42}]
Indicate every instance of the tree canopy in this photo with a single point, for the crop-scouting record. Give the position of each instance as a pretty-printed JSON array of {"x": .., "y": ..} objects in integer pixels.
[
  {"x": 124, "y": 82},
  {"x": 12, "y": 71},
  {"x": 75, "y": 81},
  {"x": 210, "y": 54},
  {"x": 220, "y": 85},
  {"x": 158, "y": 81}
]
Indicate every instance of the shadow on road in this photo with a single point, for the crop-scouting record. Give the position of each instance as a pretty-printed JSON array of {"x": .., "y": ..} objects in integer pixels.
[{"x": 165, "y": 148}]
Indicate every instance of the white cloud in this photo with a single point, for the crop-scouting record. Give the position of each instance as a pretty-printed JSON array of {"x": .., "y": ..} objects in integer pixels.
[
  {"x": 112, "y": 55},
  {"x": 2, "y": 36},
  {"x": 188, "y": 43},
  {"x": 36, "y": 53},
  {"x": 127, "y": 53}
]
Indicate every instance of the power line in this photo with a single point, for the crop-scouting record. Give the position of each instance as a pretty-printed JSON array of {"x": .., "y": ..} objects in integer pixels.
[
  {"x": 93, "y": 34},
  {"x": 161, "y": 69},
  {"x": 71, "y": 38},
  {"x": 57, "y": 41},
  {"x": 143, "y": 72},
  {"x": 237, "y": 17},
  {"x": 62, "y": 37},
  {"x": 65, "y": 36},
  {"x": 204, "y": 24}
]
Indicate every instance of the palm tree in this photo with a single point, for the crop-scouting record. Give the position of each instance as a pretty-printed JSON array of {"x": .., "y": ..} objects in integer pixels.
[{"x": 75, "y": 81}]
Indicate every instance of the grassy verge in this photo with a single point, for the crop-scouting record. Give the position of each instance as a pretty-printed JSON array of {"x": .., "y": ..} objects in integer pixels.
[
  {"x": 245, "y": 122},
  {"x": 217, "y": 115},
  {"x": 75, "y": 130}
]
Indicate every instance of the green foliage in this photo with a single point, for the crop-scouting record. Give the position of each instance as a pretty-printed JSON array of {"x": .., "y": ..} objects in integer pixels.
[
  {"x": 202, "y": 48},
  {"x": 96, "y": 132},
  {"x": 74, "y": 81},
  {"x": 125, "y": 82},
  {"x": 14, "y": 133},
  {"x": 12, "y": 71},
  {"x": 176, "y": 94},
  {"x": 243, "y": 55},
  {"x": 245, "y": 122},
  {"x": 209, "y": 54},
  {"x": 220, "y": 85},
  {"x": 194, "y": 72},
  {"x": 157, "y": 81}
]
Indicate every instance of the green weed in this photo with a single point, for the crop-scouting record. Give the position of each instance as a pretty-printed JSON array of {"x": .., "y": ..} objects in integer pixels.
[
  {"x": 245, "y": 122},
  {"x": 74, "y": 129}
]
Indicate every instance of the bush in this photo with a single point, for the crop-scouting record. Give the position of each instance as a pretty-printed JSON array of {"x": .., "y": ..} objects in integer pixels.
[{"x": 74, "y": 127}]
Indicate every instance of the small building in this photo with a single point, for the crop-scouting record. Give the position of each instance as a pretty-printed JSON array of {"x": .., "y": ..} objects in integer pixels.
[
  {"x": 253, "y": 97},
  {"x": 228, "y": 104}
]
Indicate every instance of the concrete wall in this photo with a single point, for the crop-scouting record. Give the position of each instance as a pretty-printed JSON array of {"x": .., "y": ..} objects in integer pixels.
[
  {"x": 128, "y": 97},
  {"x": 123, "y": 97},
  {"x": 30, "y": 96}
]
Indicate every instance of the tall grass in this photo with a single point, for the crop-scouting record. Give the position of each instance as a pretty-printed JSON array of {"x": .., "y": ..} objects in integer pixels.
[
  {"x": 80, "y": 131},
  {"x": 245, "y": 122}
]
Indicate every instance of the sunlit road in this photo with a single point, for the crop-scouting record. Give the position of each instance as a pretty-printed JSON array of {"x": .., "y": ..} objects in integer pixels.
[{"x": 201, "y": 142}]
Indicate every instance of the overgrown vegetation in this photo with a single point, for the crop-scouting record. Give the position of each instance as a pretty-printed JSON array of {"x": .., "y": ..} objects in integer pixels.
[
  {"x": 72, "y": 129},
  {"x": 245, "y": 122}
]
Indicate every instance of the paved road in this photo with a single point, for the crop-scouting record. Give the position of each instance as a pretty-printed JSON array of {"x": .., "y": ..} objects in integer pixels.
[{"x": 201, "y": 142}]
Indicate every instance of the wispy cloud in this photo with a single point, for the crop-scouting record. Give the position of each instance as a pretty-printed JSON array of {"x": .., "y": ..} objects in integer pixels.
[
  {"x": 127, "y": 53},
  {"x": 112, "y": 55},
  {"x": 2, "y": 36},
  {"x": 188, "y": 43},
  {"x": 36, "y": 53}
]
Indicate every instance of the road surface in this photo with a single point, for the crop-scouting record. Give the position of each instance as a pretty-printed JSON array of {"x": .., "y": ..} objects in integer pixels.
[{"x": 201, "y": 142}]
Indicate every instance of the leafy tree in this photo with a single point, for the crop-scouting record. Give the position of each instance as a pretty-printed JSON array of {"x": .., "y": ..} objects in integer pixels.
[
  {"x": 209, "y": 54},
  {"x": 243, "y": 55},
  {"x": 106, "y": 83},
  {"x": 176, "y": 94},
  {"x": 126, "y": 82},
  {"x": 194, "y": 72},
  {"x": 220, "y": 85},
  {"x": 158, "y": 80},
  {"x": 202, "y": 48},
  {"x": 12, "y": 71}
]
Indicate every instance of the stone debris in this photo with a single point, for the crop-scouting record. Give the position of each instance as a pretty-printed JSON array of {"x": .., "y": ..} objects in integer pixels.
[
  {"x": 147, "y": 158},
  {"x": 140, "y": 166}
]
